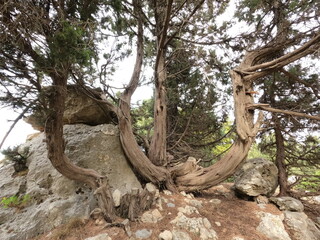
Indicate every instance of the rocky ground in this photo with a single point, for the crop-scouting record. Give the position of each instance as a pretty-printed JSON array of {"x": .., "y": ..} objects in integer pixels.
[{"x": 213, "y": 214}]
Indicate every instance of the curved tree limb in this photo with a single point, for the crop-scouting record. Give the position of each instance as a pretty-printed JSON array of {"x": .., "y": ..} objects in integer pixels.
[
  {"x": 265, "y": 107},
  {"x": 307, "y": 48},
  {"x": 140, "y": 162}
]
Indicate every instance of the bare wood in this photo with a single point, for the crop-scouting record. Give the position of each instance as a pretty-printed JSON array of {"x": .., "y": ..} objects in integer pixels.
[
  {"x": 139, "y": 161},
  {"x": 158, "y": 147},
  {"x": 135, "y": 203},
  {"x": 287, "y": 112},
  {"x": 302, "y": 51},
  {"x": 218, "y": 172},
  {"x": 183, "y": 168}
]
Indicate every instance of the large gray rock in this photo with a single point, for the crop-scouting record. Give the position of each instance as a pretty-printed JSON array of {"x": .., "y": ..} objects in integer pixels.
[
  {"x": 7, "y": 186},
  {"x": 288, "y": 204},
  {"x": 143, "y": 234},
  {"x": 200, "y": 226},
  {"x": 54, "y": 198},
  {"x": 79, "y": 108},
  {"x": 303, "y": 228},
  {"x": 256, "y": 177},
  {"x": 180, "y": 235},
  {"x": 272, "y": 226}
]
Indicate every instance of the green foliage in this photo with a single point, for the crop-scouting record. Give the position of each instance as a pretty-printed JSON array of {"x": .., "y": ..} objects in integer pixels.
[
  {"x": 16, "y": 155},
  {"x": 301, "y": 160},
  {"x": 143, "y": 118},
  {"x": 224, "y": 145},
  {"x": 15, "y": 201},
  {"x": 255, "y": 152},
  {"x": 68, "y": 45}
]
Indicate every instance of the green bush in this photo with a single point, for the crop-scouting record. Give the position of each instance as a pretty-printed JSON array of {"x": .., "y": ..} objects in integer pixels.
[
  {"x": 15, "y": 201},
  {"x": 19, "y": 157}
]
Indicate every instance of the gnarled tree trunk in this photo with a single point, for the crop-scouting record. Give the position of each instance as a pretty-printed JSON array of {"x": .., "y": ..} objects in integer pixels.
[
  {"x": 56, "y": 147},
  {"x": 243, "y": 77},
  {"x": 158, "y": 146},
  {"x": 204, "y": 178}
]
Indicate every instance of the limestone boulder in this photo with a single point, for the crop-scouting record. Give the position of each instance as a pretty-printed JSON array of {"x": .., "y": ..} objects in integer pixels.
[
  {"x": 288, "y": 204},
  {"x": 272, "y": 226},
  {"x": 256, "y": 177},
  {"x": 55, "y": 199},
  {"x": 79, "y": 108},
  {"x": 301, "y": 225}
]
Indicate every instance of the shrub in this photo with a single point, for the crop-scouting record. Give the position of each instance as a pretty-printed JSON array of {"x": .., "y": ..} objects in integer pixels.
[
  {"x": 15, "y": 201},
  {"x": 19, "y": 157}
]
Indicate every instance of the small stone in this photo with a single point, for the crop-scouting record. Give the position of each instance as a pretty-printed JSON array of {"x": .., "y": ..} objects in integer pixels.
[
  {"x": 195, "y": 203},
  {"x": 151, "y": 187},
  {"x": 165, "y": 235},
  {"x": 183, "y": 193},
  {"x": 103, "y": 236},
  {"x": 127, "y": 228},
  {"x": 180, "y": 235},
  {"x": 237, "y": 238},
  {"x": 215, "y": 201},
  {"x": 187, "y": 195},
  {"x": 151, "y": 216},
  {"x": 156, "y": 214},
  {"x": 143, "y": 234},
  {"x": 206, "y": 234},
  {"x": 167, "y": 192},
  {"x": 116, "y": 195},
  {"x": 206, "y": 223},
  {"x": 159, "y": 204},
  {"x": 171, "y": 205},
  {"x": 190, "y": 196},
  {"x": 100, "y": 222},
  {"x": 188, "y": 210},
  {"x": 218, "y": 224},
  {"x": 261, "y": 199}
]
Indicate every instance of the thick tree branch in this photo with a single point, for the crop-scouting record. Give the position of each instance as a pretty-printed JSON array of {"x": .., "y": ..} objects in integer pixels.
[
  {"x": 307, "y": 48},
  {"x": 265, "y": 107}
]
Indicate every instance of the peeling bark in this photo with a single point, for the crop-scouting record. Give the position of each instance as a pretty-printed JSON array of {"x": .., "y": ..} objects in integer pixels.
[
  {"x": 158, "y": 146},
  {"x": 140, "y": 162},
  {"x": 56, "y": 147}
]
